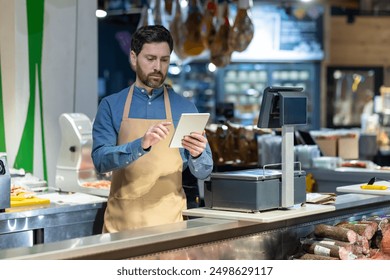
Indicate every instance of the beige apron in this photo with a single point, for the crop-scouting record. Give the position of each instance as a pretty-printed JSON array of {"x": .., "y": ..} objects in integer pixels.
[{"x": 149, "y": 191}]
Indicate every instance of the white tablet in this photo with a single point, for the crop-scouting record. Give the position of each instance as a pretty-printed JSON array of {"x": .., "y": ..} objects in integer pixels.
[{"x": 189, "y": 122}]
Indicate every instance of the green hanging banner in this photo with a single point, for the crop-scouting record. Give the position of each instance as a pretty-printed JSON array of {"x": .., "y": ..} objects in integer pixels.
[
  {"x": 2, "y": 126},
  {"x": 25, "y": 156}
]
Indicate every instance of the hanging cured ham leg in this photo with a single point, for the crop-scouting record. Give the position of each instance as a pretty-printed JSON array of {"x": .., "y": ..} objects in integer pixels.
[
  {"x": 146, "y": 16},
  {"x": 178, "y": 32},
  {"x": 242, "y": 32},
  {"x": 207, "y": 29},
  {"x": 168, "y": 6},
  {"x": 193, "y": 41},
  {"x": 220, "y": 53}
]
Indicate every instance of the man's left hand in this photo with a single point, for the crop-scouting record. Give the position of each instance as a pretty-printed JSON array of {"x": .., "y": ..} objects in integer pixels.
[{"x": 195, "y": 143}]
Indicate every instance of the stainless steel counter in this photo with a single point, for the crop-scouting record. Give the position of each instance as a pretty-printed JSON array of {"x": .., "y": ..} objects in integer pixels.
[
  {"x": 69, "y": 215},
  {"x": 205, "y": 238}
]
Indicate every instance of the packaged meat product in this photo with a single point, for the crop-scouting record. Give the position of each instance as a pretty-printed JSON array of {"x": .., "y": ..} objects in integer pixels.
[
  {"x": 364, "y": 229},
  {"x": 337, "y": 233},
  {"x": 385, "y": 243},
  {"x": 316, "y": 257}
]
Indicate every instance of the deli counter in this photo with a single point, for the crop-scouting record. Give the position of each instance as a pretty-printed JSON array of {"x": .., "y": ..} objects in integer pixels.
[
  {"x": 64, "y": 216},
  {"x": 200, "y": 236}
]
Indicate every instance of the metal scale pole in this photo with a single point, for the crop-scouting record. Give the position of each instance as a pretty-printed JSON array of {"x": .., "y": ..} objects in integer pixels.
[{"x": 287, "y": 199}]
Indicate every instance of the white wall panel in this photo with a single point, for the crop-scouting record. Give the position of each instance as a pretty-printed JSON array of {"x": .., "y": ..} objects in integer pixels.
[{"x": 69, "y": 73}]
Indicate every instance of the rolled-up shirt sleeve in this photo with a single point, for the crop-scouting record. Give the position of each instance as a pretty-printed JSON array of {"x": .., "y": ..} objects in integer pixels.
[{"x": 106, "y": 154}]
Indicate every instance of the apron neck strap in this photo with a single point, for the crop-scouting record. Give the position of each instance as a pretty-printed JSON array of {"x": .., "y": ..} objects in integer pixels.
[
  {"x": 167, "y": 103},
  {"x": 126, "y": 110}
]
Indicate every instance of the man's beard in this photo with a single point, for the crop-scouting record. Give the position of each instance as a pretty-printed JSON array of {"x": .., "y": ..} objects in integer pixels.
[{"x": 152, "y": 80}]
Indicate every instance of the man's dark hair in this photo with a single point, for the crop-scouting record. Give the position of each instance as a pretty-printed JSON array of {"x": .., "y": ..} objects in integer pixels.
[{"x": 150, "y": 34}]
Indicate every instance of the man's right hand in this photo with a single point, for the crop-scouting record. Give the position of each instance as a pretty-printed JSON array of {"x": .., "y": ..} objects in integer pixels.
[{"x": 155, "y": 134}]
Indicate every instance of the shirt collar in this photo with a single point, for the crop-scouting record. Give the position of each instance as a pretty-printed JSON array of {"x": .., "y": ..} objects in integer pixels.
[{"x": 155, "y": 92}]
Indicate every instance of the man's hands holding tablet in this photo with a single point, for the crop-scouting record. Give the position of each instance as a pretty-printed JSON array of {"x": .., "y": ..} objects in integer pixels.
[{"x": 189, "y": 133}]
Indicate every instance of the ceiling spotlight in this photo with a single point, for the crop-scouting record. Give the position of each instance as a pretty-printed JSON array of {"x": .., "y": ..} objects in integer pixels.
[{"x": 101, "y": 13}]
